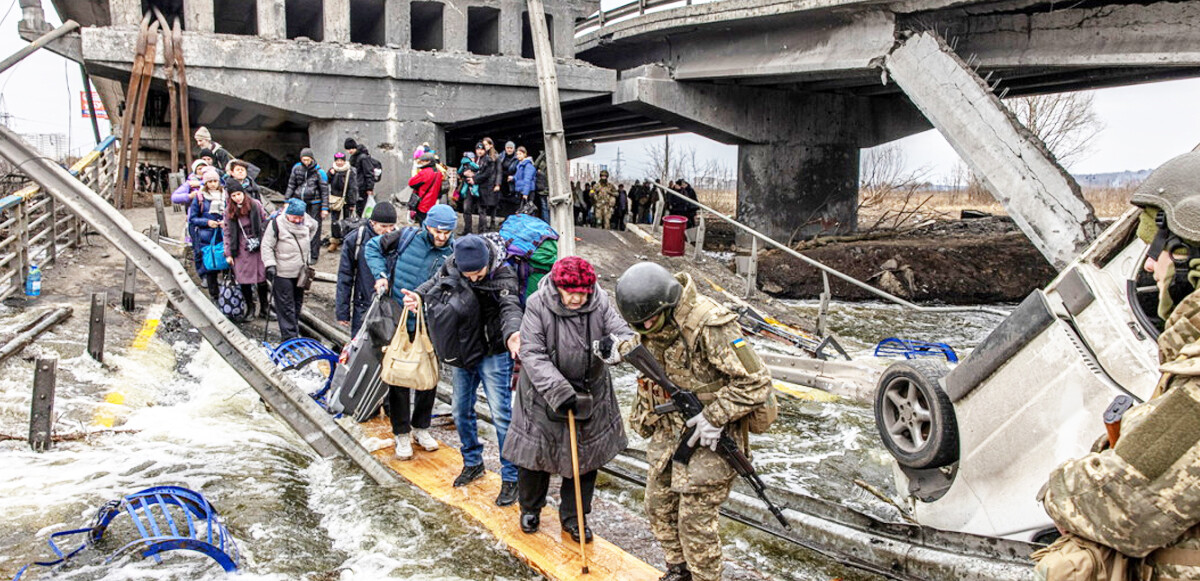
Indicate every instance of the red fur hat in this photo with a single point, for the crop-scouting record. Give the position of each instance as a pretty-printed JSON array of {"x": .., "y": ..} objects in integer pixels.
[{"x": 574, "y": 275}]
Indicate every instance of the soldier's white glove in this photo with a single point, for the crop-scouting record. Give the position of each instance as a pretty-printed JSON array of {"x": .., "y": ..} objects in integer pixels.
[
  {"x": 706, "y": 433},
  {"x": 606, "y": 349}
]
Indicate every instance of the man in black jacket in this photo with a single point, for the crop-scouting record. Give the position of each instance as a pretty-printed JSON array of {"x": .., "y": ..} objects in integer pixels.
[
  {"x": 474, "y": 311},
  {"x": 356, "y": 282},
  {"x": 360, "y": 160},
  {"x": 309, "y": 183}
]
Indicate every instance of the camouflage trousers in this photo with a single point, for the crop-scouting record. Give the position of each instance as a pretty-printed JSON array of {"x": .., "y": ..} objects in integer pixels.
[
  {"x": 687, "y": 524},
  {"x": 603, "y": 216}
]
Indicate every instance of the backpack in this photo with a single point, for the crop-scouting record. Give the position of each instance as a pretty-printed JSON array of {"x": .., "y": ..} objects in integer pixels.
[
  {"x": 532, "y": 247},
  {"x": 376, "y": 168},
  {"x": 453, "y": 318}
]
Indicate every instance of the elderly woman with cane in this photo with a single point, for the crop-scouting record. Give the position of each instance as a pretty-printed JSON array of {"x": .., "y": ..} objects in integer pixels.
[{"x": 560, "y": 377}]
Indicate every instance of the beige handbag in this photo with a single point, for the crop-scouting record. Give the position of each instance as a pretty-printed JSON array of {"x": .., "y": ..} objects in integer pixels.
[{"x": 410, "y": 363}]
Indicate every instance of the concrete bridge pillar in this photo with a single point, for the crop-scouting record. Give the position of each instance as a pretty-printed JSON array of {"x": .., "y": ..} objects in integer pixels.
[
  {"x": 397, "y": 29},
  {"x": 198, "y": 15},
  {"x": 337, "y": 20},
  {"x": 391, "y": 142},
  {"x": 790, "y": 190},
  {"x": 272, "y": 23},
  {"x": 125, "y": 12}
]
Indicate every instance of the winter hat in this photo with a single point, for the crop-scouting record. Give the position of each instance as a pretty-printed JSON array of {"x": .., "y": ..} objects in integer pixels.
[
  {"x": 234, "y": 186},
  {"x": 307, "y": 152},
  {"x": 350, "y": 143},
  {"x": 574, "y": 275},
  {"x": 206, "y": 152},
  {"x": 470, "y": 155},
  {"x": 199, "y": 163},
  {"x": 202, "y": 133},
  {"x": 440, "y": 217},
  {"x": 479, "y": 145},
  {"x": 209, "y": 175},
  {"x": 384, "y": 213},
  {"x": 339, "y": 155},
  {"x": 509, "y": 144},
  {"x": 295, "y": 207},
  {"x": 471, "y": 253},
  {"x": 426, "y": 157}
]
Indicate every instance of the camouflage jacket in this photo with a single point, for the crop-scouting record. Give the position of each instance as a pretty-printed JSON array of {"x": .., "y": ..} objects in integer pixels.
[
  {"x": 605, "y": 195},
  {"x": 703, "y": 351},
  {"x": 1142, "y": 497}
]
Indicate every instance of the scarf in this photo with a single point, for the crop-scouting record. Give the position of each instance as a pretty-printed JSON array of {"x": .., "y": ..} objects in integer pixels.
[
  {"x": 216, "y": 200},
  {"x": 233, "y": 226}
]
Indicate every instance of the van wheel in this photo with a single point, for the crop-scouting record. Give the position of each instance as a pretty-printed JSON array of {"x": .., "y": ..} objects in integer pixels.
[{"x": 914, "y": 416}]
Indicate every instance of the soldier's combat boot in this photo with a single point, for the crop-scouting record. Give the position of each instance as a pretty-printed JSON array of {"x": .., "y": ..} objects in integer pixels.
[{"x": 677, "y": 572}]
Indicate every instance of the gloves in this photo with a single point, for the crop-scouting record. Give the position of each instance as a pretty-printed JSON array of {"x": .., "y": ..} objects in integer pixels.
[
  {"x": 270, "y": 274},
  {"x": 606, "y": 349},
  {"x": 705, "y": 433},
  {"x": 569, "y": 404}
]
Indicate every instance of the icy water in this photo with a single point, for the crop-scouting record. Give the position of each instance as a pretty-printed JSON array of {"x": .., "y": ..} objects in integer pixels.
[{"x": 189, "y": 420}]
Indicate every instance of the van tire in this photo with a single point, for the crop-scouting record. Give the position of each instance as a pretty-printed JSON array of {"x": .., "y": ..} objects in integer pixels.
[{"x": 914, "y": 416}]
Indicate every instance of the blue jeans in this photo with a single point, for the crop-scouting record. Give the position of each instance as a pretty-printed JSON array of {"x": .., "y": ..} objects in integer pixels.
[{"x": 495, "y": 371}]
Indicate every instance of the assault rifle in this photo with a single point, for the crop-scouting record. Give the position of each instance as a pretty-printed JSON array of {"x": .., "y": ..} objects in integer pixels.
[{"x": 687, "y": 404}]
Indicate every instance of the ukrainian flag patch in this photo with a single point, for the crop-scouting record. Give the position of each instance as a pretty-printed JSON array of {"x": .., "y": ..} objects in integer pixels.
[{"x": 746, "y": 355}]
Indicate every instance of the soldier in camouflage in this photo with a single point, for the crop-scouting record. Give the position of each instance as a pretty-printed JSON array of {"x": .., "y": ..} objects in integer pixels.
[
  {"x": 1141, "y": 497},
  {"x": 700, "y": 345},
  {"x": 605, "y": 200}
]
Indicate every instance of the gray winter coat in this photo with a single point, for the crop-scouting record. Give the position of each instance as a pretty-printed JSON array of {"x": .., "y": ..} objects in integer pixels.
[
  {"x": 556, "y": 361},
  {"x": 286, "y": 245}
]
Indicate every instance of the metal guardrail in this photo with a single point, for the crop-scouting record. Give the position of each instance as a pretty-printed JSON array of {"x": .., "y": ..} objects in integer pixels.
[
  {"x": 638, "y": 8},
  {"x": 35, "y": 229},
  {"x": 826, "y": 269}
]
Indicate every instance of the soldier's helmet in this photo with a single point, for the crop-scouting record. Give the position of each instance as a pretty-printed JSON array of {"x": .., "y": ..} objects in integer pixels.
[
  {"x": 1174, "y": 188},
  {"x": 645, "y": 290}
]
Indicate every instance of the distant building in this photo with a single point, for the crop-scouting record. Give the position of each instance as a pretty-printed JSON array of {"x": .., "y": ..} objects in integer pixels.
[{"x": 52, "y": 145}]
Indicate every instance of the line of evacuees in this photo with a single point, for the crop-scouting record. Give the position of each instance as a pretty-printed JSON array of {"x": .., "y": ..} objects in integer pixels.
[
  {"x": 602, "y": 205},
  {"x": 563, "y": 334}
]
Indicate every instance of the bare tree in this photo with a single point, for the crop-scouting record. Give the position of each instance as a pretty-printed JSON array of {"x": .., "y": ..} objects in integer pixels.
[
  {"x": 1065, "y": 122},
  {"x": 662, "y": 159},
  {"x": 890, "y": 193}
]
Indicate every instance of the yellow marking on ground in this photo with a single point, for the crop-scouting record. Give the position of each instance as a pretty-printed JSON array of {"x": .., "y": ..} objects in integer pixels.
[
  {"x": 548, "y": 551},
  {"x": 714, "y": 285},
  {"x": 106, "y": 414},
  {"x": 804, "y": 393}
]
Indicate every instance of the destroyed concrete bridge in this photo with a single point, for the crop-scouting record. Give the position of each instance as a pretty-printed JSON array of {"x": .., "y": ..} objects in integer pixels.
[{"x": 800, "y": 87}]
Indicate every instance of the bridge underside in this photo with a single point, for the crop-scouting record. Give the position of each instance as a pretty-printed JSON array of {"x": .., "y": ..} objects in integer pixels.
[{"x": 800, "y": 89}]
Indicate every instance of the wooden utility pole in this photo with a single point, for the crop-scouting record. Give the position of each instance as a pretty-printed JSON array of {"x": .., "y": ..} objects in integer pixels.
[{"x": 562, "y": 217}]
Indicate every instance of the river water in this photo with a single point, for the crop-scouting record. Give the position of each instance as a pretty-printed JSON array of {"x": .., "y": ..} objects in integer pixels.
[{"x": 189, "y": 420}]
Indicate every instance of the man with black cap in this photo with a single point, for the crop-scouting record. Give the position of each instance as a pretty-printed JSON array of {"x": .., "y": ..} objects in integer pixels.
[
  {"x": 360, "y": 160},
  {"x": 356, "y": 283},
  {"x": 474, "y": 314},
  {"x": 309, "y": 184}
]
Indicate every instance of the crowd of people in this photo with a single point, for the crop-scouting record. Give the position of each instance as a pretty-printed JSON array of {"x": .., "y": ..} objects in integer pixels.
[
  {"x": 557, "y": 337},
  {"x": 602, "y": 204}
]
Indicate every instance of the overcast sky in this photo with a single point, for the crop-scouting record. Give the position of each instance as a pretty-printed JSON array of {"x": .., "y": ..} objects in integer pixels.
[{"x": 1144, "y": 125}]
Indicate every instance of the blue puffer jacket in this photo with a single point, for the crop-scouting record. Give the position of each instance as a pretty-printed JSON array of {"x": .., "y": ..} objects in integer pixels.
[
  {"x": 202, "y": 234},
  {"x": 355, "y": 284},
  {"x": 419, "y": 262},
  {"x": 525, "y": 179}
]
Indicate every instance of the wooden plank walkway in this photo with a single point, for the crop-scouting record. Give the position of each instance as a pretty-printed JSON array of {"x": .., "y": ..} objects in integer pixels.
[{"x": 549, "y": 551}]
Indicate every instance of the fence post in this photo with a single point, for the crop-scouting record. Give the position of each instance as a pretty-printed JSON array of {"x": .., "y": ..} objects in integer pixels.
[
  {"x": 823, "y": 311},
  {"x": 127, "y": 293},
  {"x": 752, "y": 269},
  {"x": 41, "y": 413},
  {"x": 699, "y": 237},
  {"x": 162, "y": 215},
  {"x": 22, "y": 216},
  {"x": 53, "y": 250},
  {"x": 96, "y": 326}
]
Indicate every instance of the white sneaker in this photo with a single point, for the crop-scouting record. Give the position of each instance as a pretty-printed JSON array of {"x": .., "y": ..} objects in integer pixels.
[
  {"x": 404, "y": 446},
  {"x": 424, "y": 439}
]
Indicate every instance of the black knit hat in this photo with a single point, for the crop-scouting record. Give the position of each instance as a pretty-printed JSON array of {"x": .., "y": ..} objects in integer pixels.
[
  {"x": 384, "y": 213},
  {"x": 232, "y": 185},
  {"x": 350, "y": 143},
  {"x": 206, "y": 152}
]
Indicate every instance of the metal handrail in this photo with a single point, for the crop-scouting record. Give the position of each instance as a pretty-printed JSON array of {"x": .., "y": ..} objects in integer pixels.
[
  {"x": 830, "y": 270},
  {"x": 38, "y": 224},
  {"x": 640, "y": 7}
]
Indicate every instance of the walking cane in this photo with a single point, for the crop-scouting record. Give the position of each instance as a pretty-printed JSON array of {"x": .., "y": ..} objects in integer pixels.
[{"x": 578, "y": 493}]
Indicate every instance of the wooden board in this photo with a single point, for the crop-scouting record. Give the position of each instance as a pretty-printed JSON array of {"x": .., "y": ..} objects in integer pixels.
[{"x": 549, "y": 551}]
